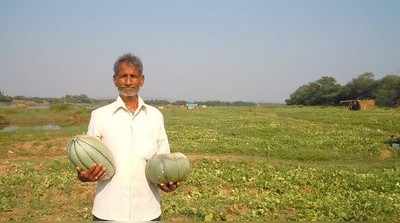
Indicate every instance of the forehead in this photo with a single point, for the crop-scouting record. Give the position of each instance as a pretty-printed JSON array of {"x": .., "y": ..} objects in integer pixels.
[{"x": 126, "y": 67}]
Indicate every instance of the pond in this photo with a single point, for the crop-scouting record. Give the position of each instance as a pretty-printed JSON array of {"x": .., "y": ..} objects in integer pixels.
[{"x": 49, "y": 127}]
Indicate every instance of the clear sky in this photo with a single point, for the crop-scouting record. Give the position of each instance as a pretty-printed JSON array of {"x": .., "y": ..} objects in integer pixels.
[{"x": 195, "y": 50}]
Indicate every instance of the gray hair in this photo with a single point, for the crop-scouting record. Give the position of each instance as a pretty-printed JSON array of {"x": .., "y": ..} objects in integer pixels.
[{"x": 130, "y": 59}]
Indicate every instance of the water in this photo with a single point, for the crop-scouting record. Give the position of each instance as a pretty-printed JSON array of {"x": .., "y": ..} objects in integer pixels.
[
  {"x": 49, "y": 127},
  {"x": 9, "y": 129}
]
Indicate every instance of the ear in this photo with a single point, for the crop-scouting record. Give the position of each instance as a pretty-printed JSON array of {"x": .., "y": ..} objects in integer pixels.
[
  {"x": 142, "y": 81},
  {"x": 115, "y": 79}
]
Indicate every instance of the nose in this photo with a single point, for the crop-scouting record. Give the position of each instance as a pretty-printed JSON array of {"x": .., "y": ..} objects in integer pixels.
[{"x": 129, "y": 81}]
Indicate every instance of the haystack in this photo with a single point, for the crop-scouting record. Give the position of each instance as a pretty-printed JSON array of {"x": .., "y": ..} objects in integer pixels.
[{"x": 365, "y": 104}]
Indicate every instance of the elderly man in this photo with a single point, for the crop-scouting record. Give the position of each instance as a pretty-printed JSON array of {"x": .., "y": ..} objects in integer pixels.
[{"x": 134, "y": 132}]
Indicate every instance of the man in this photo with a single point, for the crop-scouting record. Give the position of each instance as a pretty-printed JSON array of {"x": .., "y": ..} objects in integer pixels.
[{"x": 134, "y": 132}]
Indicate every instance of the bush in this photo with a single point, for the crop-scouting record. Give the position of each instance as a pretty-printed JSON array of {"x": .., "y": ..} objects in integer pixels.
[
  {"x": 60, "y": 107},
  {"x": 3, "y": 122}
]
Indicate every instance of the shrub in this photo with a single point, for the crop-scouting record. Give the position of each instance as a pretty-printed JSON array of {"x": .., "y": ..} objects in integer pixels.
[
  {"x": 3, "y": 122},
  {"x": 60, "y": 107}
]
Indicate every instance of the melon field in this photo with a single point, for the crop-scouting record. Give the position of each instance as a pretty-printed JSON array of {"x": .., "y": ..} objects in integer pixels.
[{"x": 250, "y": 164}]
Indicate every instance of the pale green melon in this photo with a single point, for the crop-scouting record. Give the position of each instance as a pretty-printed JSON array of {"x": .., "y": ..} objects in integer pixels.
[
  {"x": 163, "y": 168},
  {"x": 84, "y": 151}
]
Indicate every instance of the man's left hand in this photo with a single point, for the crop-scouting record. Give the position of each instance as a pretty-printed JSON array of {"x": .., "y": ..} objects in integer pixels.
[{"x": 169, "y": 187}]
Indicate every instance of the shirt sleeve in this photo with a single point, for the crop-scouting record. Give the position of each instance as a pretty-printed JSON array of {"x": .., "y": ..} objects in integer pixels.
[
  {"x": 93, "y": 128},
  {"x": 163, "y": 144}
]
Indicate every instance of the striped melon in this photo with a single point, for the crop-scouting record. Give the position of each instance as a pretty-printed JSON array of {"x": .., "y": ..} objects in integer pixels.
[
  {"x": 84, "y": 151},
  {"x": 163, "y": 168}
]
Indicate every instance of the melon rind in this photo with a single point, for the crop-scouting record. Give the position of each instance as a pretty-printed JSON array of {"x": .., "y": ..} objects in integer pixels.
[
  {"x": 163, "y": 168},
  {"x": 84, "y": 151}
]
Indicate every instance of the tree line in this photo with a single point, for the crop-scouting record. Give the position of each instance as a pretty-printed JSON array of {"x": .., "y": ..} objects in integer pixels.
[
  {"x": 327, "y": 91},
  {"x": 84, "y": 99},
  {"x": 207, "y": 103}
]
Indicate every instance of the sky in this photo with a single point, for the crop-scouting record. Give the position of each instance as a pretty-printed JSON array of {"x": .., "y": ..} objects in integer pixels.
[{"x": 257, "y": 51}]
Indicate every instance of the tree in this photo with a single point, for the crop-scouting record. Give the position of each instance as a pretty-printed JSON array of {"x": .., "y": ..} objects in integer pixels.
[
  {"x": 361, "y": 87},
  {"x": 157, "y": 102},
  {"x": 179, "y": 102},
  {"x": 82, "y": 98},
  {"x": 325, "y": 91},
  {"x": 388, "y": 91}
]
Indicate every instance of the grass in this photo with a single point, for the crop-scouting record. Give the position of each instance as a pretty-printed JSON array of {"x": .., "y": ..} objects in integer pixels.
[{"x": 249, "y": 164}]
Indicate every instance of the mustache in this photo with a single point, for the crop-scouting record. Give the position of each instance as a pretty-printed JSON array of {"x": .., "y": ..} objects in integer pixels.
[{"x": 128, "y": 88}]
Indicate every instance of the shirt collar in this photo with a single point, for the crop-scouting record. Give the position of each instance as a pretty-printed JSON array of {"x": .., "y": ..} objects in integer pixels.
[{"x": 119, "y": 104}]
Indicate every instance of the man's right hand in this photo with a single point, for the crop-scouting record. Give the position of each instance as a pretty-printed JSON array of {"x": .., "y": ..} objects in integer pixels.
[{"x": 93, "y": 174}]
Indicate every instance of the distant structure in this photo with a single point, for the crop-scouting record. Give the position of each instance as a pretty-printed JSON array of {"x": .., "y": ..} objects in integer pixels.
[
  {"x": 190, "y": 106},
  {"x": 365, "y": 104}
]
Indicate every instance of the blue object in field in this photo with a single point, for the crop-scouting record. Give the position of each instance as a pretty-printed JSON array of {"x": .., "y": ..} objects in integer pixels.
[{"x": 396, "y": 146}]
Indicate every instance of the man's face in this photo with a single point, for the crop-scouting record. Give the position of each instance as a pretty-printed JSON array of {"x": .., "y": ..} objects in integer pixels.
[{"x": 128, "y": 80}]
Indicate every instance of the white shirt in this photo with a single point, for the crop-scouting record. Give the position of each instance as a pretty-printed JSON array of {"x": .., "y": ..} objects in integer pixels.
[{"x": 132, "y": 138}]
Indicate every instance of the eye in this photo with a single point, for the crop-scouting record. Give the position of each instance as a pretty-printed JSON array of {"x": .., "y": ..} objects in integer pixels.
[{"x": 135, "y": 76}]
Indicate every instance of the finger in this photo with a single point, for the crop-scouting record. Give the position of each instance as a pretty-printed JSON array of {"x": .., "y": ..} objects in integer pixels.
[
  {"x": 78, "y": 170},
  {"x": 100, "y": 174},
  {"x": 172, "y": 187},
  {"x": 173, "y": 184},
  {"x": 84, "y": 173},
  {"x": 164, "y": 187},
  {"x": 92, "y": 169},
  {"x": 96, "y": 172}
]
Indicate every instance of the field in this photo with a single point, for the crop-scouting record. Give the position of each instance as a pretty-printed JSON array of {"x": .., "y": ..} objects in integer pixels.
[{"x": 249, "y": 164}]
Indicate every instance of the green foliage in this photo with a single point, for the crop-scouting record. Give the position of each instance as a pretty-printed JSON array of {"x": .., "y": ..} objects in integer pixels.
[
  {"x": 260, "y": 191},
  {"x": 157, "y": 102},
  {"x": 225, "y": 103},
  {"x": 249, "y": 164},
  {"x": 3, "y": 122},
  {"x": 58, "y": 114},
  {"x": 60, "y": 107},
  {"x": 179, "y": 102},
  {"x": 388, "y": 91},
  {"x": 31, "y": 189},
  {"x": 326, "y": 91},
  {"x": 217, "y": 103},
  {"x": 82, "y": 98},
  {"x": 362, "y": 87},
  {"x": 281, "y": 132}
]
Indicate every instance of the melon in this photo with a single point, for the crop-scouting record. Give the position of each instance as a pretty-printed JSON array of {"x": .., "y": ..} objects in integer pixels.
[
  {"x": 164, "y": 168},
  {"x": 84, "y": 151}
]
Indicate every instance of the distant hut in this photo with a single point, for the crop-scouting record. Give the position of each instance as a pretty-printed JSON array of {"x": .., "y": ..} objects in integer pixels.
[
  {"x": 190, "y": 106},
  {"x": 365, "y": 104}
]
